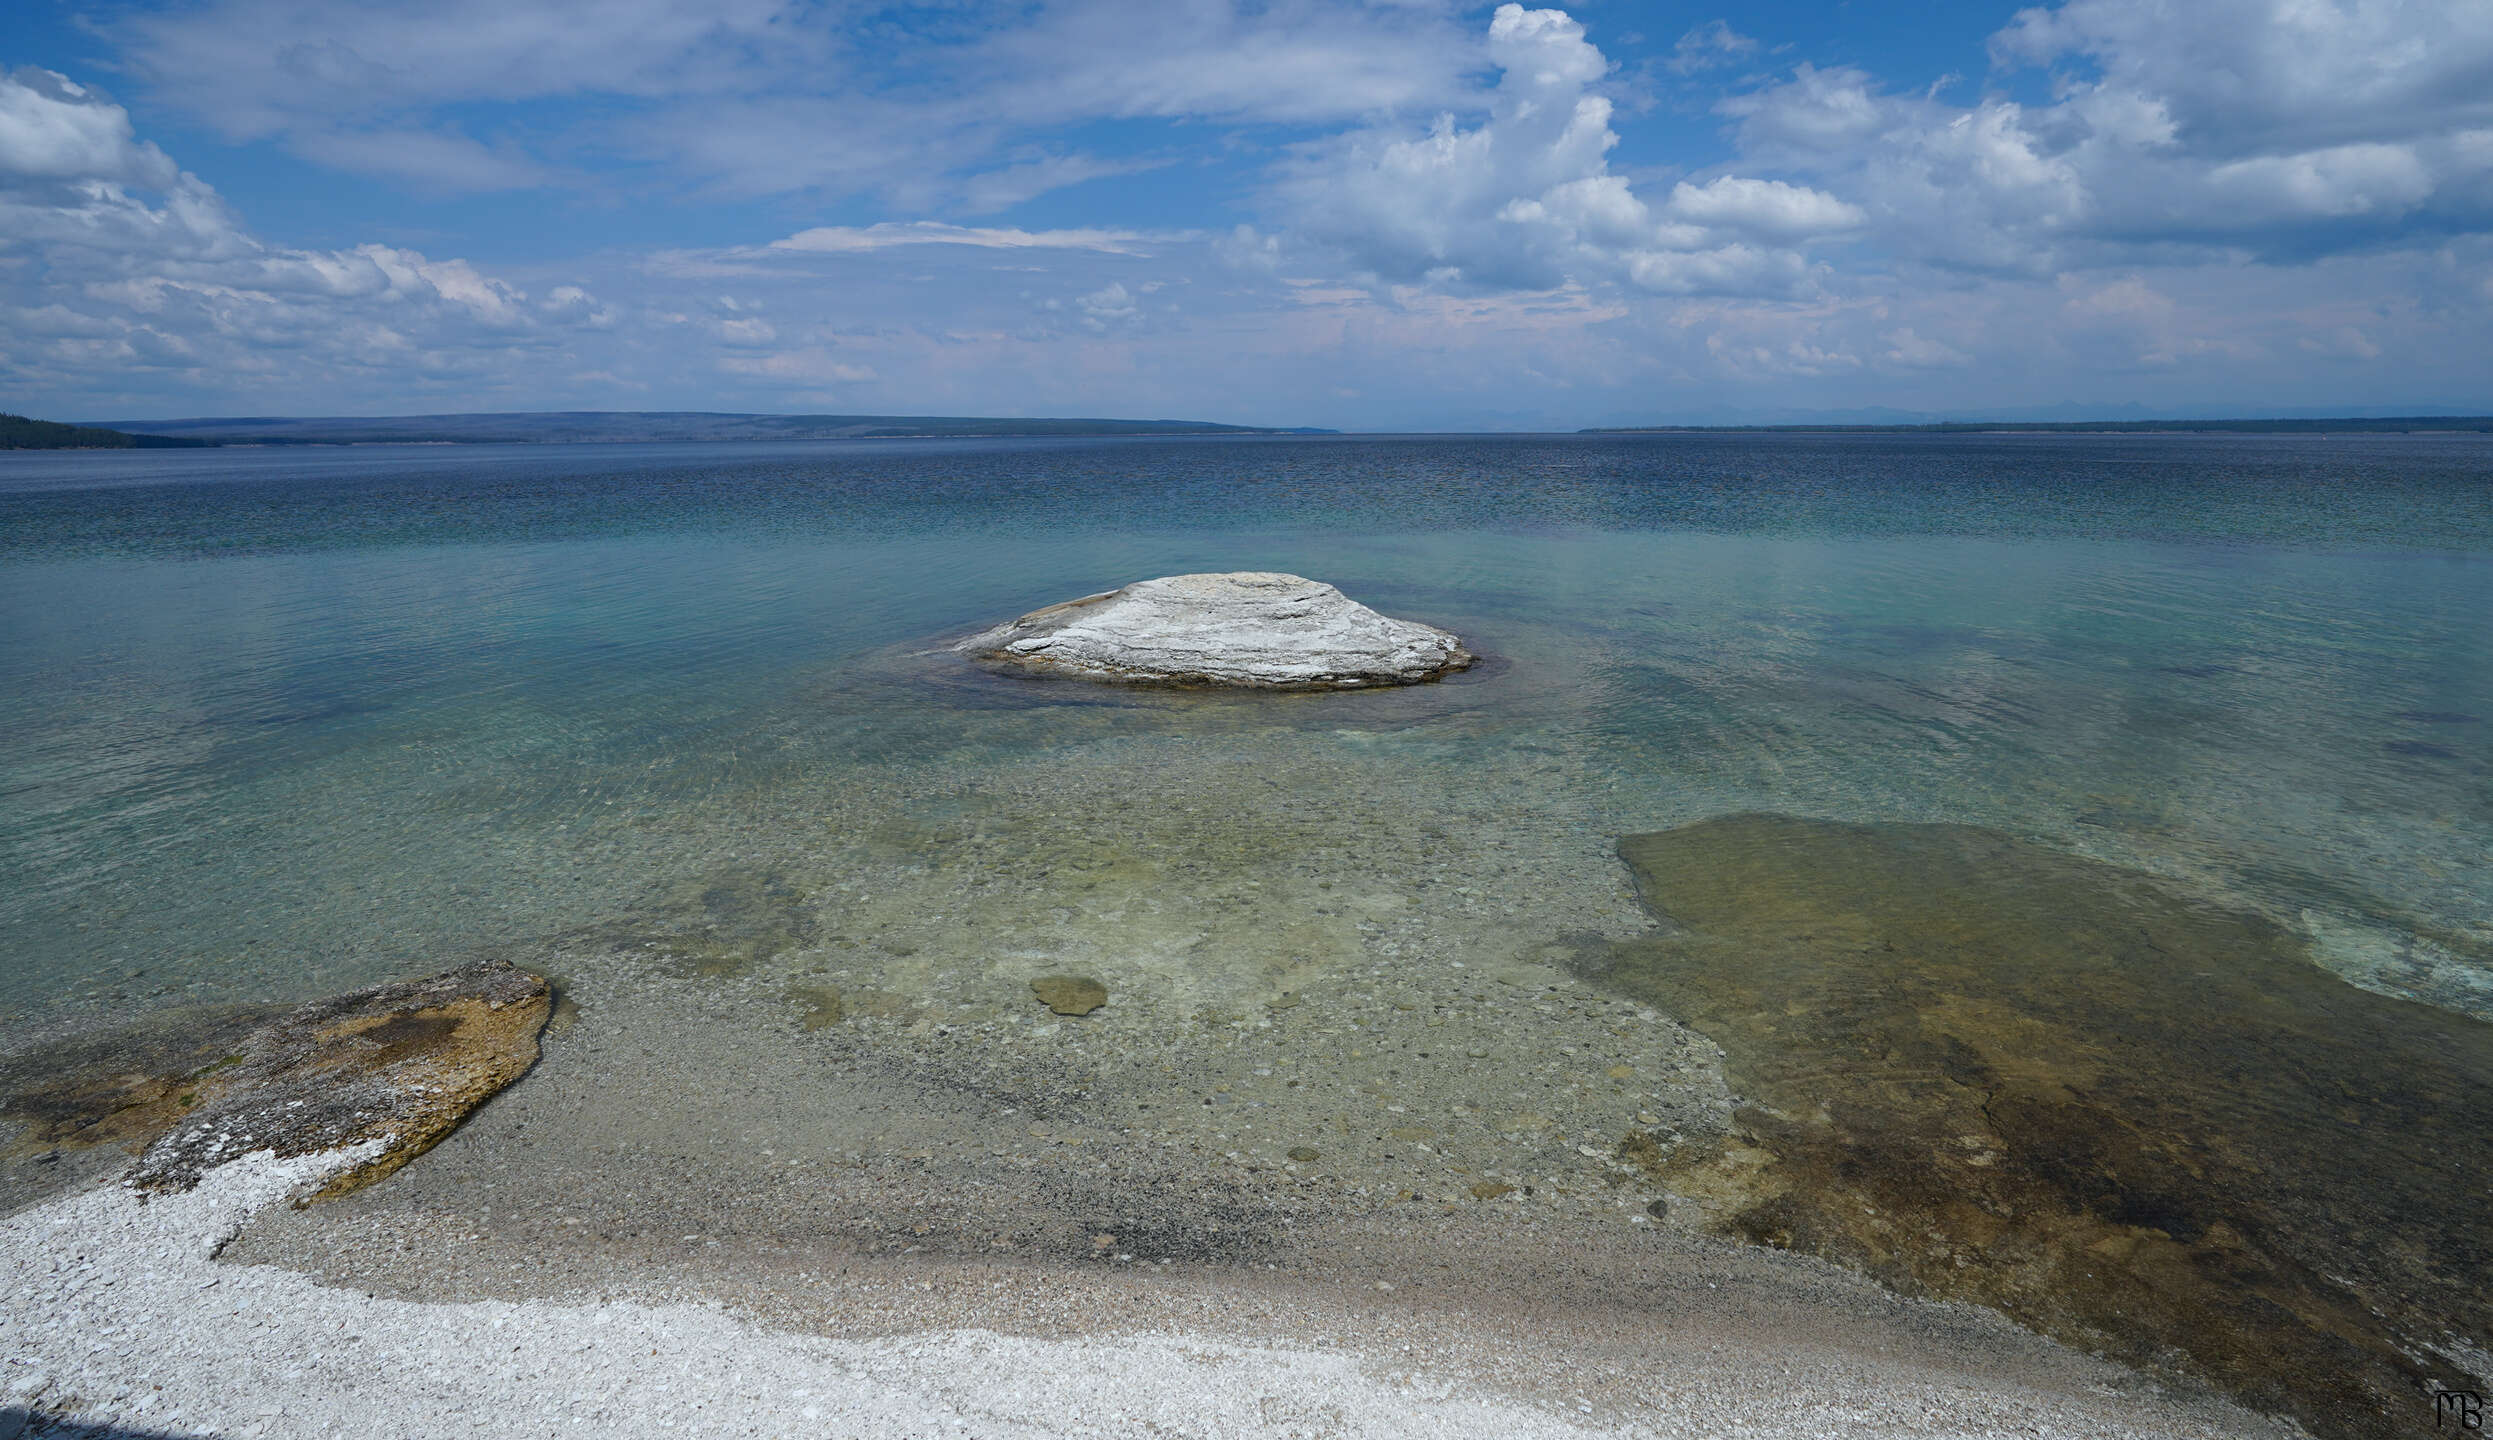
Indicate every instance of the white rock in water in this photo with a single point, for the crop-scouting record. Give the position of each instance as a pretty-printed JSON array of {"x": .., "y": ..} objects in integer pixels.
[{"x": 1249, "y": 627}]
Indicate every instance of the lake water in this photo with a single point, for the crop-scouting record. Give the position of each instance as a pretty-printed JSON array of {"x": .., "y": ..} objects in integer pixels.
[
  {"x": 277, "y": 722},
  {"x": 674, "y": 721}
]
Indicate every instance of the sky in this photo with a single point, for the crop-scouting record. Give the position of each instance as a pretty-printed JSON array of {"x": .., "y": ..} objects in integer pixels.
[{"x": 1399, "y": 214}]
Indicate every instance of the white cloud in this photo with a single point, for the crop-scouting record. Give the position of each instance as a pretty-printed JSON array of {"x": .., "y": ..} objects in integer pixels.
[
  {"x": 2278, "y": 126},
  {"x": 52, "y": 128},
  {"x": 1907, "y": 348},
  {"x": 2113, "y": 231},
  {"x": 1525, "y": 200},
  {"x": 2245, "y": 77},
  {"x": 746, "y": 332},
  {"x": 576, "y": 306},
  {"x": 854, "y": 240},
  {"x": 759, "y": 97},
  {"x": 1764, "y": 207},
  {"x": 260, "y": 68},
  {"x": 2341, "y": 181},
  {"x": 1282, "y": 61},
  {"x": 1110, "y": 304},
  {"x": 1708, "y": 46},
  {"x": 125, "y": 271},
  {"x": 1002, "y": 189},
  {"x": 809, "y": 369},
  {"x": 1971, "y": 186},
  {"x": 429, "y": 159}
]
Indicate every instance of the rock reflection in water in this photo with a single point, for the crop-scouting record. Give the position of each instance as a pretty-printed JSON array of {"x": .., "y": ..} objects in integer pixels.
[{"x": 1983, "y": 1070}]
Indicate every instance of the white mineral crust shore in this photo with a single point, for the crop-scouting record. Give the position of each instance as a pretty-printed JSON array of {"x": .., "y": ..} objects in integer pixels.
[
  {"x": 114, "y": 1312},
  {"x": 1252, "y": 628}
]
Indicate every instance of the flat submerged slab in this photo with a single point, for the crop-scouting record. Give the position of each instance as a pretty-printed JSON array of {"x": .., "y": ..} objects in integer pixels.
[
  {"x": 1250, "y": 628},
  {"x": 1983, "y": 1070},
  {"x": 399, "y": 1064}
]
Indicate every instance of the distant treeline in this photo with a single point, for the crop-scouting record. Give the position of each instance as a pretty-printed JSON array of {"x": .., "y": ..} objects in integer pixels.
[
  {"x": 645, "y": 426},
  {"x": 19, "y": 433},
  {"x": 2399, "y": 425}
]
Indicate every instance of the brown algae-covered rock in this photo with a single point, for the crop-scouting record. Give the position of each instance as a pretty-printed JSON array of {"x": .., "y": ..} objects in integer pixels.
[
  {"x": 1070, "y": 994},
  {"x": 401, "y": 1064},
  {"x": 1252, "y": 628}
]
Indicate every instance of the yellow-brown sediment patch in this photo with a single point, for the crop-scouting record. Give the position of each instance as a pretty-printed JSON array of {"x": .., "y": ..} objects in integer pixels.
[{"x": 1983, "y": 1070}]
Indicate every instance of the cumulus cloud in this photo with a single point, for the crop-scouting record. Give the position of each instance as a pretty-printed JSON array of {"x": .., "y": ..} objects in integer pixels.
[
  {"x": 52, "y": 128},
  {"x": 123, "y": 268},
  {"x": 1976, "y": 186},
  {"x": 2272, "y": 126},
  {"x": 1763, "y": 207},
  {"x": 1525, "y": 200},
  {"x": 2247, "y": 77}
]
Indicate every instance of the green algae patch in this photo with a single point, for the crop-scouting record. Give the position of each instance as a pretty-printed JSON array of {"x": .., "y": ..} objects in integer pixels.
[
  {"x": 734, "y": 920},
  {"x": 1982, "y": 1070},
  {"x": 822, "y": 1005}
]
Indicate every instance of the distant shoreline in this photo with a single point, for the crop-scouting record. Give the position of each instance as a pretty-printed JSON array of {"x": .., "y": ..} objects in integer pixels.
[
  {"x": 651, "y": 427},
  {"x": 19, "y": 433},
  {"x": 705, "y": 427},
  {"x": 2398, "y": 425}
]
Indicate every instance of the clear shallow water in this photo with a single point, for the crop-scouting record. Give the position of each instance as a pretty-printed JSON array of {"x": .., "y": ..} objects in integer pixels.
[{"x": 273, "y": 723}]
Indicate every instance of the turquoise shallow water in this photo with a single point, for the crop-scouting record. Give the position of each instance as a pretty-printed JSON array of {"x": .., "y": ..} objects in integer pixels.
[{"x": 277, "y": 722}]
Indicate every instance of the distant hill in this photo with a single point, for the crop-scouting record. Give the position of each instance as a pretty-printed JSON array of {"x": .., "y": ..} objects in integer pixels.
[
  {"x": 2376, "y": 425},
  {"x": 547, "y": 427},
  {"x": 19, "y": 433}
]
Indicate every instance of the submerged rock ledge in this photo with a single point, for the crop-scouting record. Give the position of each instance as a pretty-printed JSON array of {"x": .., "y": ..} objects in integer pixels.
[
  {"x": 398, "y": 1064},
  {"x": 1250, "y": 628},
  {"x": 381, "y": 1074},
  {"x": 1983, "y": 1070}
]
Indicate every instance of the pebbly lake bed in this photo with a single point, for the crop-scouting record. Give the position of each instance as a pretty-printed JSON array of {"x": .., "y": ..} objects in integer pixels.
[{"x": 1966, "y": 860}]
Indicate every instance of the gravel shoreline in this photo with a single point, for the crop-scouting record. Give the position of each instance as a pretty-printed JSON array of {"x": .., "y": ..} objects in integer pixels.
[{"x": 120, "y": 1313}]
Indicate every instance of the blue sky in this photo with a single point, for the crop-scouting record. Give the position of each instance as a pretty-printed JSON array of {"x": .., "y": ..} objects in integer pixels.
[{"x": 1401, "y": 214}]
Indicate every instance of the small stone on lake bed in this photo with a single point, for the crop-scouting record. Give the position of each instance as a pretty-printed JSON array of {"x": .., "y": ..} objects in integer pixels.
[
  {"x": 1070, "y": 994},
  {"x": 1302, "y": 1154}
]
